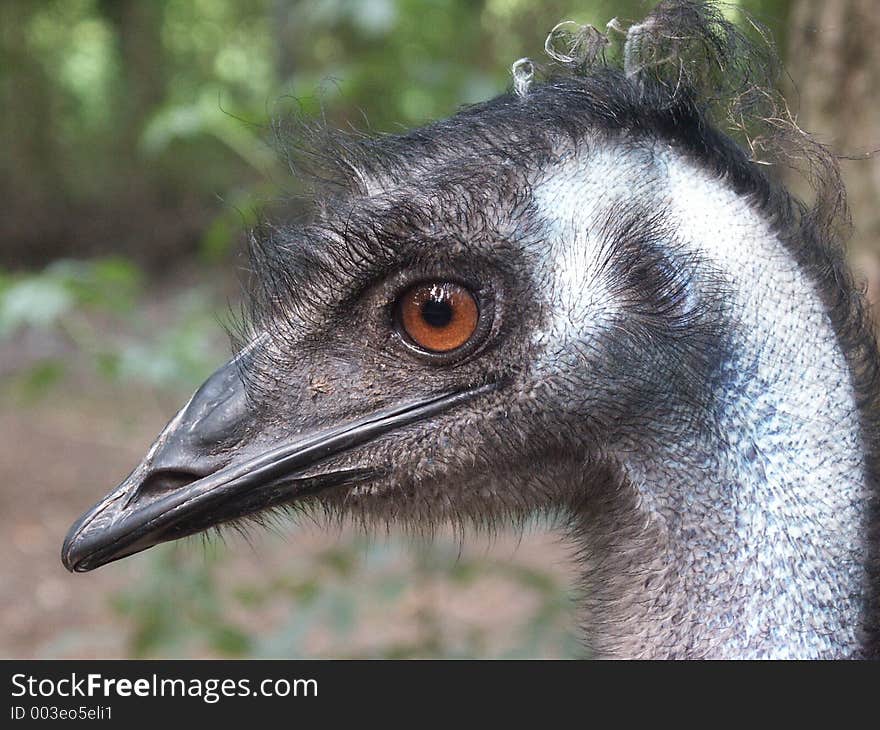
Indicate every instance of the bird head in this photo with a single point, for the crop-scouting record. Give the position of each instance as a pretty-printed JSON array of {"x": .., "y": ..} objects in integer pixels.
[
  {"x": 478, "y": 316},
  {"x": 440, "y": 342}
]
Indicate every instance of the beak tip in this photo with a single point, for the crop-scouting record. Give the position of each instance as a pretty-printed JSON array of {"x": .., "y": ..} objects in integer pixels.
[
  {"x": 75, "y": 550},
  {"x": 69, "y": 558}
]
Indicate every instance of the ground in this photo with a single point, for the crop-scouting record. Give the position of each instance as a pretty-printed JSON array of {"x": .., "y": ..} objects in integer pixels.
[{"x": 304, "y": 592}]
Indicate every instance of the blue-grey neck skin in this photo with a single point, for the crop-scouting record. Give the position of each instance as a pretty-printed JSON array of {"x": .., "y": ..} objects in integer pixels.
[{"x": 739, "y": 530}]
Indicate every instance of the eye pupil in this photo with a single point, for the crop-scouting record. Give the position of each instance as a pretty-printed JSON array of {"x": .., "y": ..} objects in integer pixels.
[{"x": 436, "y": 313}]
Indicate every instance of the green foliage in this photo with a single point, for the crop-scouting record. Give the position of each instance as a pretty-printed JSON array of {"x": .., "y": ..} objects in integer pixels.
[
  {"x": 178, "y": 609},
  {"x": 183, "y": 604},
  {"x": 90, "y": 314},
  {"x": 160, "y": 108},
  {"x": 46, "y": 299}
]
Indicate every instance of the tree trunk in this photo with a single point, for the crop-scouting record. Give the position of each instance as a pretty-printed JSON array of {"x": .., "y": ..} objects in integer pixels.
[
  {"x": 284, "y": 18},
  {"x": 834, "y": 61},
  {"x": 27, "y": 154},
  {"x": 138, "y": 27}
]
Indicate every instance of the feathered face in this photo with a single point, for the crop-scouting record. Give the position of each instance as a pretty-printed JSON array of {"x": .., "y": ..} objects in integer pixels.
[{"x": 492, "y": 303}]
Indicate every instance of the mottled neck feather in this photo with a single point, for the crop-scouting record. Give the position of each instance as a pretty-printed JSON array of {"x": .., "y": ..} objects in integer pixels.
[{"x": 739, "y": 531}]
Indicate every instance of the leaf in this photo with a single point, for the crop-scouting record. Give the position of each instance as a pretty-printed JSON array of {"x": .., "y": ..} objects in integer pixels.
[
  {"x": 36, "y": 301},
  {"x": 230, "y": 641}
]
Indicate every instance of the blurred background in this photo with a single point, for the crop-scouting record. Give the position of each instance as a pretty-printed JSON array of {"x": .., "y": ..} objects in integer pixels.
[{"x": 133, "y": 155}]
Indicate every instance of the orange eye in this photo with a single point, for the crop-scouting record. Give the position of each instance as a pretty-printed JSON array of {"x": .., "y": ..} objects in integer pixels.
[{"x": 439, "y": 316}]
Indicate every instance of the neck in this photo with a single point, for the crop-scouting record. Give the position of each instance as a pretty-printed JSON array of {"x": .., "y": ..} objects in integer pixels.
[
  {"x": 725, "y": 548},
  {"x": 743, "y": 534},
  {"x": 736, "y": 525}
]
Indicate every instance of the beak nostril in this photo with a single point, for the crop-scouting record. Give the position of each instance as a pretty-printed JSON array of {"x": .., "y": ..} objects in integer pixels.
[{"x": 164, "y": 481}]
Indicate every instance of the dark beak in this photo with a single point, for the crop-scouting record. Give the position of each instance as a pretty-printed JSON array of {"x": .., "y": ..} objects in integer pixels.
[{"x": 200, "y": 472}]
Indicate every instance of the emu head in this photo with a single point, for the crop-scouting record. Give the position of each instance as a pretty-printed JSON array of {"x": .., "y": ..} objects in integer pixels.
[{"x": 477, "y": 319}]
